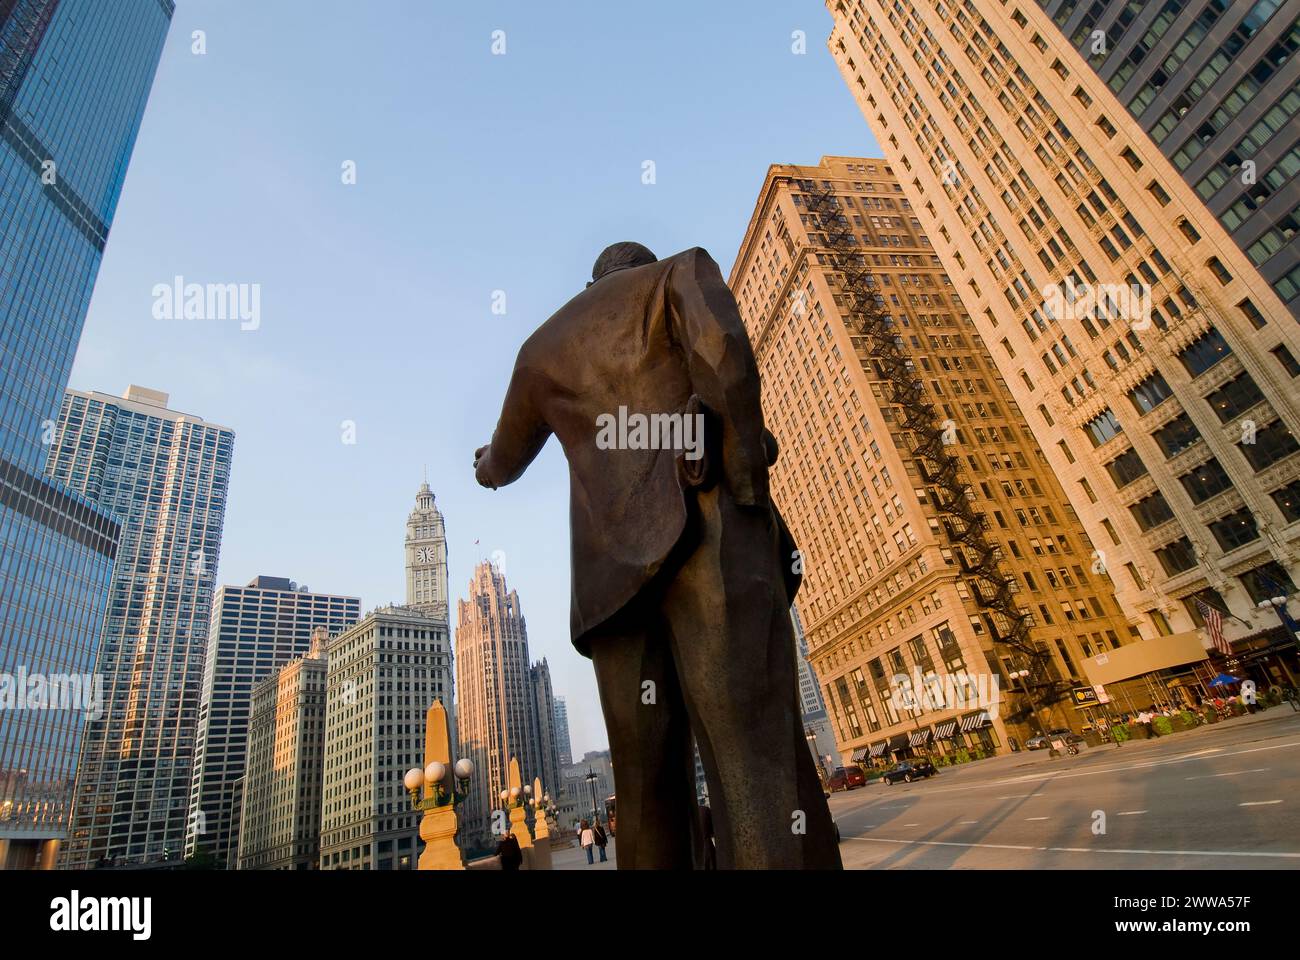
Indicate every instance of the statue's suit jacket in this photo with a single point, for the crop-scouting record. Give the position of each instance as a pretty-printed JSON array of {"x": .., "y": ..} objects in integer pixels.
[{"x": 645, "y": 338}]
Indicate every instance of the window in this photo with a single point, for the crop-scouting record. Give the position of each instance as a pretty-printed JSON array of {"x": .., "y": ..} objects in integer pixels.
[
  {"x": 1205, "y": 481},
  {"x": 1126, "y": 468},
  {"x": 1219, "y": 270},
  {"x": 1149, "y": 394},
  {"x": 1267, "y": 581},
  {"x": 1177, "y": 557},
  {"x": 1272, "y": 443},
  {"x": 1236, "y": 529},
  {"x": 1288, "y": 500},
  {"x": 1251, "y": 312},
  {"x": 1151, "y": 511},
  {"x": 1102, "y": 428},
  {"x": 1177, "y": 435},
  {"x": 1235, "y": 397},
  {"x": 1204, "y": 353},
  {"x": 1288, "y": 361}
]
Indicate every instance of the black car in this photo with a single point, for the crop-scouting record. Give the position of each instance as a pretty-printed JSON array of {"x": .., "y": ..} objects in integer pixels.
[{"x": 910, "y": 770}]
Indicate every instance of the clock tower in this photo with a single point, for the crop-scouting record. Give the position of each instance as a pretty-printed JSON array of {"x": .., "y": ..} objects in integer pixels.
[{"x": 426, "y": 557}]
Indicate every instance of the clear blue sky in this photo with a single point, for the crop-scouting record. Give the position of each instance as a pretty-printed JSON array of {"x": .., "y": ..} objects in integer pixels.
[{"x": 475, "y": 173}]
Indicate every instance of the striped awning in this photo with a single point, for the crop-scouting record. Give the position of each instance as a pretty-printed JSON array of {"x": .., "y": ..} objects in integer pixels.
[
  {"x": 974, "y": 721},
  {"x": 859, "y": 755},
  {"x": 945, "y": 730},
  {"x": 878, "y": 748},
  {"x": 919, "y": 737}
]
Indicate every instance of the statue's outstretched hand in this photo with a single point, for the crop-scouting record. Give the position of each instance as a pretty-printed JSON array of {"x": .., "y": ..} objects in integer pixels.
[{"x": 481, "y": 474}]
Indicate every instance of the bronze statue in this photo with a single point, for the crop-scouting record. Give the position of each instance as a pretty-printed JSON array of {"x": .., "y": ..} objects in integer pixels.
[{"x": 683, "y": 572}]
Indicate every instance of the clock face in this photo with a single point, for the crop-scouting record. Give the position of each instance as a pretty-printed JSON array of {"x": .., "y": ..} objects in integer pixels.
[{"x": 424, "y": 555}]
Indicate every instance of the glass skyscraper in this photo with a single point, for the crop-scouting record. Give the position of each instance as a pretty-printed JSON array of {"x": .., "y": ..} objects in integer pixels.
[
  {"x": 74, "y": 79},
  {"x": 164, "y": 474}
]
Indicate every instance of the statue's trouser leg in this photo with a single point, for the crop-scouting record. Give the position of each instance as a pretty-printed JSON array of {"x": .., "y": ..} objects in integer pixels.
[
  {"x": 649, "y": 739},
  {"x": 733, "y": 644}
]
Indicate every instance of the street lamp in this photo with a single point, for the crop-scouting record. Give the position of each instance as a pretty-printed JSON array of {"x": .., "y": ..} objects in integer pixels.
[
  {"x": 433, "y": 778},
  {"x": 591, "y": 778},
  {"x": 1023, "y": 676}
]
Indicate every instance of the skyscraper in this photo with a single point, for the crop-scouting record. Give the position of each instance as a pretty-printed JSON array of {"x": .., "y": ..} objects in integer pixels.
[
  {"x": 74, "y": 80},
  {"x": 496, "y": 712},
  {"x": 934, "y": 540},
  {"x": 164, "y": 476},
  {"x": 426, "y": 557},
  {"x": 1154, "y": 351},
  {"x": 255, "y": 630},
  {"x": 280, "y": 825},
  {"x": 563, "y": 742},
  {"x": 383, "y": 674},
  {"x": 1216, "y": 86},
  {"x": 539, "y": 678}
]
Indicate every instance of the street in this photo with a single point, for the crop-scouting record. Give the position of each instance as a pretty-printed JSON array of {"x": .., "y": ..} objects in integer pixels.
[{"x": 1220, "y": 797}]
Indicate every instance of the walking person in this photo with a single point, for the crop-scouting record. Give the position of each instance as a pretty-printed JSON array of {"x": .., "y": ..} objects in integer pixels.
[
  {"x": 508, "y": 851},
  {"x": 588, "y": 839},
  {"x": 601, "y": 839}
]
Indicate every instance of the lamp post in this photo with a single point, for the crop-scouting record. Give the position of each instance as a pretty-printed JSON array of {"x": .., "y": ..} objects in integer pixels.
[
  {"x": 432, "y": 778},
  {"x": 1278, "y": 605},
  {"x": 591, "y": 778},
  {"x": 438, "y": 825},
  {"x": 1023, "y": 676}
]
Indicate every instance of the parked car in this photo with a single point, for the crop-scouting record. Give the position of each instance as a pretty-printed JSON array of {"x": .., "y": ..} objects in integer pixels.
[
  {"x": 909, "y": 770},
  {"x": 1044, "y": 740},
  {"x": 846, "y": 778}
]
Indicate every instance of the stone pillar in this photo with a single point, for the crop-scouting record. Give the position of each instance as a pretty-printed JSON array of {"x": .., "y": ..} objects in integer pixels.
[
  {"x": 438, "y": 826},
  {"x": 541, "y": 829}
]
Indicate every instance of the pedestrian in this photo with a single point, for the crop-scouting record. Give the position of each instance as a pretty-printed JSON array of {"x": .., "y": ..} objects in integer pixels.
[
  {"x": 598, "y": 834},
  {"x": 587, "y": 838},
  {"x": 508, "y": 852}
]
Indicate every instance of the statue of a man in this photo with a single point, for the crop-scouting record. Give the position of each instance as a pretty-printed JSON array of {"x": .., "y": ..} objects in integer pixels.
[{"x": 683, "y": 572}]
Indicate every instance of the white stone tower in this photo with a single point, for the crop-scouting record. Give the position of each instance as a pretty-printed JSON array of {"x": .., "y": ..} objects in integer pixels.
[{"x": 426, "y": 557}]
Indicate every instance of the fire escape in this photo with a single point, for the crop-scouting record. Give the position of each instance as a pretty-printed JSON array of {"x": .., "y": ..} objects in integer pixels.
[{"x": 879, "y": 343}]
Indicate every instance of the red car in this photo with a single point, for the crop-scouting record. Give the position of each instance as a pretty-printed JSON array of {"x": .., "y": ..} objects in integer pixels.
[{"x": 846, "y": 778}]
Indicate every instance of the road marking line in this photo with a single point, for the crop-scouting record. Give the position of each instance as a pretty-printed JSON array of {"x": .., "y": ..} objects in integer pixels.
[
  {"x": 1038, "y": 818},
  {"x": 1235, "y": 773},
  {"x": 1130, "y": 813},
  {"x": 1017, "y": 796},
  {"x": 1258, "y": 803},
  {"x": 964, "y": 822},
  {"x": 1013, "y": 846},
  {"x": 911, "y": 824}
]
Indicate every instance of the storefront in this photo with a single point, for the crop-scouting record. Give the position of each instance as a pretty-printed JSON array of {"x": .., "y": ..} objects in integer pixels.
[
  {"x": 977, "y": 731},
  {"x": 944, "y": 732},
  {"x": 919, "y": 741}
]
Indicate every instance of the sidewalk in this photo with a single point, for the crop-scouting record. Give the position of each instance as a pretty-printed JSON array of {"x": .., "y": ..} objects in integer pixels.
[
  {"x": 575, "y": 858},
  {"x": 1107, "y": 751}
]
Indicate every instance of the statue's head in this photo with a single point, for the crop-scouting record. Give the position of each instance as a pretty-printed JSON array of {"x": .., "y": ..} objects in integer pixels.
[{"x": 620, "y": 256}]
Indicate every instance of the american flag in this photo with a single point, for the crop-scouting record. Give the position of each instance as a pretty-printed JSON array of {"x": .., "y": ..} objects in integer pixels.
[{"x": 1214, "y": 623}]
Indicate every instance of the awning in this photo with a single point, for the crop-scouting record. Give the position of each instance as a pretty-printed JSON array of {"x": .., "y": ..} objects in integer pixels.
[
  {"x": 919, "y": 737},
  {"x": 859, "y": 755},
  {"x": 898, "y": 741},
  {"x": 974, "y": 721},
  {"x": 878, "y": 748},
  {"x": 945, "y": 730}
]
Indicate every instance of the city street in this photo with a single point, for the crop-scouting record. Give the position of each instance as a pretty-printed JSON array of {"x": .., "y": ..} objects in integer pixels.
[{"x": 1222, "y": 797}]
